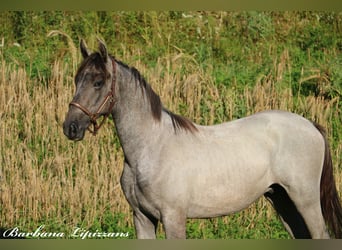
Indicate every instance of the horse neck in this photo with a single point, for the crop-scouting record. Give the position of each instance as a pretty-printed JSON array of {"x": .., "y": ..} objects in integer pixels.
[{"x": 135, "y": 123}]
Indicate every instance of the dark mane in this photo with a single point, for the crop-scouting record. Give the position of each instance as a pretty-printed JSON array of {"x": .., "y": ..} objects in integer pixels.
[{"x": 178, "y": 122}]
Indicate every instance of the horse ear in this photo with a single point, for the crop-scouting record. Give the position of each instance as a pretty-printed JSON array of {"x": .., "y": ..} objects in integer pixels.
[
  {"x": 84, "y": 50},
  {"x": 103, "y": 50}
]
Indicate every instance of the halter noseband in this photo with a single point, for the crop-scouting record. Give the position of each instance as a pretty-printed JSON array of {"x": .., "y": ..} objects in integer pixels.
[{"x": 94, "y": 116}]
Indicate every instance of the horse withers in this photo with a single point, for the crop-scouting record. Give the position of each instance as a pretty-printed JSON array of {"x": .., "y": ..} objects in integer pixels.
[{"x": 175, "y": 169}]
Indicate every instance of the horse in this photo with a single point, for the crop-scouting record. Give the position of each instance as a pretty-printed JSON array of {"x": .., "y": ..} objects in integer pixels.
[{"x": 175, "y": 169}]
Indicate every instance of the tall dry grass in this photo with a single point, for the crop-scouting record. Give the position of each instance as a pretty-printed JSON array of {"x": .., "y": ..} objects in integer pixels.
[
  {"x": 44, "y": 178},
  {"x": 43, "y": 175}
]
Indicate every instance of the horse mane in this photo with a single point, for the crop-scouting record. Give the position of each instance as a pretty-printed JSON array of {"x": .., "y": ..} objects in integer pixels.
[{"x": 178, "y": 122}]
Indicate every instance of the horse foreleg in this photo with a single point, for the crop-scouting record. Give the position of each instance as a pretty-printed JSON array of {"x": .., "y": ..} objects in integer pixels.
[
  {"x": 174, "y": 223},
  {"x": 145, "y": 226}
]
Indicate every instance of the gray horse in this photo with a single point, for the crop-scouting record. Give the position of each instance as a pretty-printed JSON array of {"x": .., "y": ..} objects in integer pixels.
[{"x": 175, "y": 169}]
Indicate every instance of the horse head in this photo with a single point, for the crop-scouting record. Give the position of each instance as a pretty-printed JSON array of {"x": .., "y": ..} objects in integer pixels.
[{"x": 94, "y": 96}]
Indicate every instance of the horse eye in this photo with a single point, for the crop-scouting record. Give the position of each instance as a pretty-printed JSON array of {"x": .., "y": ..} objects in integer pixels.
[{"x": 98, "y": 84}]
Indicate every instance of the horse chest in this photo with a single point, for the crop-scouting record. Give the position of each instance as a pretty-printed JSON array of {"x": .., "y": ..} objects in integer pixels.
[{"x": 138, "y": 193}]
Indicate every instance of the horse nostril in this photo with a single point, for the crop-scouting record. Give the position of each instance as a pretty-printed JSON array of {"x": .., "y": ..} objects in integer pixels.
[
  {"x": 73, "y": 131},
  {"x": 73, "y": 128}
]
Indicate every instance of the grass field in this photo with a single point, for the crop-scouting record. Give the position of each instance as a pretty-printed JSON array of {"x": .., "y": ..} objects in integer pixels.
[{"x": 217, "y": 66}]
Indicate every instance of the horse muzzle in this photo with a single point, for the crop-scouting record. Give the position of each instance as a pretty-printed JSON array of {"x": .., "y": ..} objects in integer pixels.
[{"x": 73, "y": 130}]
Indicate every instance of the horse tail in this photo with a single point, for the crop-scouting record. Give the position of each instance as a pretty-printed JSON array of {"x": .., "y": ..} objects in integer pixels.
[{"x": 330, "y": 202}]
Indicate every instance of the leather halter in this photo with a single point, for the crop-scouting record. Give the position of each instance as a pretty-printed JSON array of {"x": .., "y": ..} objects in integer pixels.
[{"x": 94, "y": 116}]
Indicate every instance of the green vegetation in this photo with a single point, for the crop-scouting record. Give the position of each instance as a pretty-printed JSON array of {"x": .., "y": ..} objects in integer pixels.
[{"x": 209, "y": 66}]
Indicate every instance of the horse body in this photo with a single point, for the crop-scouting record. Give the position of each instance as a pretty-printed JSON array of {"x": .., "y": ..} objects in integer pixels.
[
  {"x": 224, "y": 168},
  {"x": 175, "y": 169},
  {"x": 211, "y": 166}
]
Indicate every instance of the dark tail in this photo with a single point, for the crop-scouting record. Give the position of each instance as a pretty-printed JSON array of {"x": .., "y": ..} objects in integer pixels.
[{"x": 330, "y": 202}]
